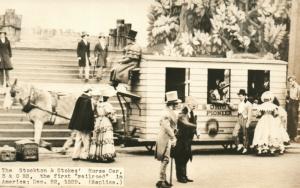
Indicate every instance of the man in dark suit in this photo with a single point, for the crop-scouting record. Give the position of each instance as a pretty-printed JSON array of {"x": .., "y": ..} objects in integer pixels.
[
  {"x": 186, "y": 130},
  {"x": 83, "y": 56},
  {"x": 82, "y": 122}
]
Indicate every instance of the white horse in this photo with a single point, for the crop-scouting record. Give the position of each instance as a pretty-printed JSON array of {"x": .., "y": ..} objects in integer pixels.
[{"x": 41, "y": 106}]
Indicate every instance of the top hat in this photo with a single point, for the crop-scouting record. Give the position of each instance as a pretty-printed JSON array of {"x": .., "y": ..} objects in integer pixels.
[
  {"x": 242, "y": 92},
  {"x": 2, "y": 31},
  {"x": 83, "y": 34},
  {"x": 267, "y": 96},
  {"x": 120, "y": 21},
  {"x": 131, "y": 34},
  {"x": 172, "y": 97}
]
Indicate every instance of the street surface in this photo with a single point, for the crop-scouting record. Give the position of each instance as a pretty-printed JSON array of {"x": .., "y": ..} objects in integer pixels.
[{"x": 212, "y": 167}]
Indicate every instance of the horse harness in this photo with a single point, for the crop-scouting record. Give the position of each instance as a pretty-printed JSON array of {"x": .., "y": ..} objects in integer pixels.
[{"x": 29, "y": 106}]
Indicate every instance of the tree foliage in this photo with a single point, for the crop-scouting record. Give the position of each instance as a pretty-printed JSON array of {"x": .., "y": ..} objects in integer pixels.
[{"x": 215, "y": 27}]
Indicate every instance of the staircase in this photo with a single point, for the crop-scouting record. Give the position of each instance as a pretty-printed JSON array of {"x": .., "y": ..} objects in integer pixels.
[{"x": 55, "y": 70}]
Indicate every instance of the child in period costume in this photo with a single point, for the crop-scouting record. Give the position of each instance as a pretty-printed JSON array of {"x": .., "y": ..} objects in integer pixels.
[
  {"x": 244, "y": 119},
  {"x": 102, "y": 145},
  {"x": 267, "y": 135},
  {"x": 166, "y": 136}
]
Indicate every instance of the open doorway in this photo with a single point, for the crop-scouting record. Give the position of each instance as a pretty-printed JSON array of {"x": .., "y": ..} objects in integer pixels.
[
  {"x": 258, "y": 82},
  {"x": 175, "y": 81}
]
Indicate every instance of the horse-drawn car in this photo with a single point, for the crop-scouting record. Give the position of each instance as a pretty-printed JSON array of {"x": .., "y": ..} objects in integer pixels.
[{"x": 214, "y": 82}]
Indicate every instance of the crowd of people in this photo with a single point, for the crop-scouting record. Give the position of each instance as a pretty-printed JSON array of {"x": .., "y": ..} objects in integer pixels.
[
  {"x": 269, "y": 135},
  {"x": 120, "y": 72}
]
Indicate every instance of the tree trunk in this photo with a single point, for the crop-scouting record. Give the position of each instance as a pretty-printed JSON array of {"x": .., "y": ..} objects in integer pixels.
[{"x": 186, "y": 19}]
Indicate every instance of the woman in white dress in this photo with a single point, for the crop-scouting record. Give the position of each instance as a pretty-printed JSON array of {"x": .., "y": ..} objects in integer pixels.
[{"x": 267, "y": 133}]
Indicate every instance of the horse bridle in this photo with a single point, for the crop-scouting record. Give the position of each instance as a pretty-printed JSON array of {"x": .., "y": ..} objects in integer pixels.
[
  {"x": 29, "y": 98},
  {"x": 31, "y": 105}
]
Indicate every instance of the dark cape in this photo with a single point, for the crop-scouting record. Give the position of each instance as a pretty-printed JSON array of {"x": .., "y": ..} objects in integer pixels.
[{"x": 83, "y": 116}]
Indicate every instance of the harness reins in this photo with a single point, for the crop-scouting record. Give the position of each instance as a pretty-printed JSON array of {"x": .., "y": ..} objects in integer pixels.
[{"x": 31, "y": 106}]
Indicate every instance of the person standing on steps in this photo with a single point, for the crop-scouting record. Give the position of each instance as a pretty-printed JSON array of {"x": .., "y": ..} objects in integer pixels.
[
  {"x": 5, "y": 59},
  {"x": 83, "y": 56},
  {"x": 100, "y": 53}
]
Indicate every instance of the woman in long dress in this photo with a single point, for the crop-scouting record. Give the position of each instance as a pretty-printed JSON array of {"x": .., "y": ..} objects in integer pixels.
[
  {"x": 267, "y": 133},
  {"x": 102, "y": 146}
]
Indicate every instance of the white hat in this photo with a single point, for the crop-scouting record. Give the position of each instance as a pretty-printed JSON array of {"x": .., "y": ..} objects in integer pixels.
[
  {"x": 267, "y": 96},
  {"x": 108, "y": 92},
  {"x": 96, "y": 92},
  {"x": 172, "y": 97},
  {"x": 87, "y": 88}
]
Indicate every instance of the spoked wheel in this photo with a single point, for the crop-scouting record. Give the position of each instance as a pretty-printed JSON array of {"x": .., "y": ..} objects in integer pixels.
[
  {"x": 226, "y": 146},
  {"x": 149, "y": 147}
]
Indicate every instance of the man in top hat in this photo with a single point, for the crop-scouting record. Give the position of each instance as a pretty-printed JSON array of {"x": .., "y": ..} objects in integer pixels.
[
  {"x": 166, "y": 136},
  {"x": 83, "y": 56},
  {"x": 5, "y": 59},
  {"x": 292, "y": 106},
  {"x": 82, "y": 122},
  {"x": 130, "y": 60},
  {"x": 100, "y": 53},
  {"x": 240, "y": 132},
  {"x": 186, "y": 125}
]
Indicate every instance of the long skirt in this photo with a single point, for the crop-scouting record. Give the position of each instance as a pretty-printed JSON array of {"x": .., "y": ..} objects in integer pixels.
[
  {"x": 267, "y": 134},
  {"x": 120, "y": 72},
  {"x": 102, "y": 147}
]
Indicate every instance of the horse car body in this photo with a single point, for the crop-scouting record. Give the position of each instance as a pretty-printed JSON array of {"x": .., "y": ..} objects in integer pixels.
[{"x": 199, "y": 77}]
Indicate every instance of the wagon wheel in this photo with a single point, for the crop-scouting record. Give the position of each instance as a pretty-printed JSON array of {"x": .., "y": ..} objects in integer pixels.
[
  {"x": 225, "y": 146},
  {"x": 232, "y": 146},
  {"x": 149, "y": 147}
]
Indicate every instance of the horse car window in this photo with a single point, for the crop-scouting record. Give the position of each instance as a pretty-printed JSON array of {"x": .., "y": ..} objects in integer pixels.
[
  {"x": 218, "y": 86},
  {"x": 258, "y": 82}
]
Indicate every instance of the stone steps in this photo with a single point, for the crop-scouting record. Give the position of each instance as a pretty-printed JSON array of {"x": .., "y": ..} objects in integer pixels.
[
  {"x": 29, "y": 133},
  {"x": 53, "y": 70},
  {"x": 55, "y": 141}
]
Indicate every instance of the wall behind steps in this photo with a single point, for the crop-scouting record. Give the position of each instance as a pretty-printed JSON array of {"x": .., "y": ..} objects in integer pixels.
[{"x": 152, "y": 89}]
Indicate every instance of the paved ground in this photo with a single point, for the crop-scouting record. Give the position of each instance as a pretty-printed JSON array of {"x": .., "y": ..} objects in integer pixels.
[{"x": 212, "y": 167}]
